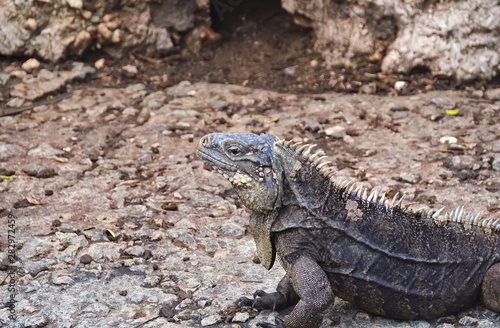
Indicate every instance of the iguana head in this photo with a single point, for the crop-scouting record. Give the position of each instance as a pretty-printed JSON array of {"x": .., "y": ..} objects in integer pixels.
[{"x": 246, "y": 160}]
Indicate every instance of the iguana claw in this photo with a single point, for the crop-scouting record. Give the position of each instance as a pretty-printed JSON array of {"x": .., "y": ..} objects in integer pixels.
[{"x": 263, "y": 300}]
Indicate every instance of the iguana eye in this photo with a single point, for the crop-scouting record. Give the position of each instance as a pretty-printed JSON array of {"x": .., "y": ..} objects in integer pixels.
[{"x": 234, "y": 150}]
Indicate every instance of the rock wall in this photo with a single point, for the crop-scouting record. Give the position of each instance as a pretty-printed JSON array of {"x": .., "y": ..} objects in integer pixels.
[
  {"x": 54, "y": 29},
  {"x": 460, "y": 38}
]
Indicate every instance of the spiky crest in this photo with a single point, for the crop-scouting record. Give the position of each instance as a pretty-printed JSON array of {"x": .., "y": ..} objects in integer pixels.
[{"x": 349, "y": 189}]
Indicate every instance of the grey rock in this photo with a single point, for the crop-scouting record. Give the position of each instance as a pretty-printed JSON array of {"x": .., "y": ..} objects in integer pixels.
[
  {"x": 61, "y": 278},
  {"x": 96, "y": 308},
  {"x": 241, "y": 317},
  {"x": 468, "y": 321},
  {"x": 495, "y": 165},
  {"x": 493, "y": 94},
  {"x": 44, "y": 150},
  {"x": 405, "y": 36},
  {"x": 137, "y": 298},
  {"x": 232, "y": 229},
  {"x": 211, "y": 320},
  {"x": 107, "y": 251},
  {"x": 137, "y": 251},
  {"x": 409, "y": 178},
  {"x": 36, "y": 321},
  {"x": 8, "y": 150}
]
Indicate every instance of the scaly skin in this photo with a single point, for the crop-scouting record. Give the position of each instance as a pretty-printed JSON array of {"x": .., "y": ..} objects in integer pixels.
[{"x": 333, "y": 240}]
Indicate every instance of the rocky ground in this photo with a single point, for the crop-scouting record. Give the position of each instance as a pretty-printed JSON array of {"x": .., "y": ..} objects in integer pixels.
[{"x": 119, "y": 224}]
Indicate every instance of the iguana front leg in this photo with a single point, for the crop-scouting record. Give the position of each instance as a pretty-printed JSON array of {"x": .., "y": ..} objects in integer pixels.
[{"x": 308, "y": 282}]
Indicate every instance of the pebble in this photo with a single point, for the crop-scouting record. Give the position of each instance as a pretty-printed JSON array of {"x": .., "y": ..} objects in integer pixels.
[
  {"x": 36, "y": 321},
  {"x": 96, "y": 308},
  {"x": 363, "y": 316},
  {"x": 211, "y": 320},
  {"x": 493, "y": 94},
  {"x": 100, "y": 63},
  {"x": 130, "y": 70},
  {"x": 241, "y": 317},
  {"x": 9, "y": 150},
  {"x": 30, "y": 24},
  {"x": 137, "y": 251},
  {"x": 103, "y": 32},
  {"x": 85, "y": 259},
  {"x": 409, "y": 178},
  {"x": 151, "y": 281},
  {"x": 137, "y": 298},
  {"x": 369, "y": 89},
  {"x": 61, "y": 278},
  {"x": 400, "y": 85},
  {"x": 336, "y": 131},
  {"x": 87, "y": 14},
  {"x": 76, "y": 4},
  {"x": 468, "y": 321},
  {"x": 448, "y": 140},
  {"x": 495, "y": 165},
  {"x": 116, "y": 37},
  {"x": 81, "y": 40},
  {"x": 15, "y": 102},
  {"x": 232, "y": 229},
  {"x": 44, "y": 150},
  {"x": 30, "y": 64}
]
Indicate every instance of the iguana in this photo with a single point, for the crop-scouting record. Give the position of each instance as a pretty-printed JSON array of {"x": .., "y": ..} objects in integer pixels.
[{"x": 333, "y": 239}]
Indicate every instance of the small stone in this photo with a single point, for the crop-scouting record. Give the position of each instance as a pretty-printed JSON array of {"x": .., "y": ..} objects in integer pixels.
[
  {"x": 85, "y": 259},
  {"x": 30, "y": 64},
  {"x": 15, "y": 102},
  {"x": 36, "y": 321},
  {"x": 369, "y": 88},
  {"x": 137, "y": 298},
  {"x": 30, "y": 24},
  {"x": 348, "y": 139},
  {"x": 241, "y": 317},
  {"x": 314, "y": 63},
  {"x": 44, "y": 150},
  {"x": 468, "y": 321},
  {"x": 100, "y": 63},
  {"x": 493, "y": 94},
  {"x": 409, "y": 178},
  {"x": 496, "y": 163},
  {"x": 130, "y": 70},
  {"x": 232, "y": 229},
  {"x": 87, "y": 14},
  {"x": 477, "y": 94},
  {"x": 336, "y": 131},
  {"x": 363, "y": 316},
  {"x": 400, "y": 85},
  {"x": 96, "y": 308},
  {"x": 61, "y": 278},
  {"x": 211, "y": 320},
  {"x": 130, "y": 111},
  {"x": 77, "y": 4},
  {"x": 448, "y": 140},
  {"x": 9, "y": 150},
  {"x": 157, "y": 235},
  {"x": 82, "y": 39},
  {"x": 116, "y": 37},
  {"x": 103, "y": 32},
  {"x": 151, "y": 281},
  {"x": 137, "y": 251}
]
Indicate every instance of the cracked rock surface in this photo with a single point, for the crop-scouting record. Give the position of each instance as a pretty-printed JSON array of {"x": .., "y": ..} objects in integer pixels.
[{"x": 119, "y": 224}]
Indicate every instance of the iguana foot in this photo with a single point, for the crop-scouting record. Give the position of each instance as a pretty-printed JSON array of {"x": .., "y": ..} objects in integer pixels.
[
  {"x": 263, "y": 300},
  {"x": 279, "y": 324}
]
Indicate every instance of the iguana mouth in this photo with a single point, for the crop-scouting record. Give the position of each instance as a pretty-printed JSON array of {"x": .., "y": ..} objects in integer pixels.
[{"x": 215, "y": 162}]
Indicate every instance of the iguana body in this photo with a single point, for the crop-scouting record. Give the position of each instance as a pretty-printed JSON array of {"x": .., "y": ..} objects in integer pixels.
[{"x": 334, "y": 240}]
